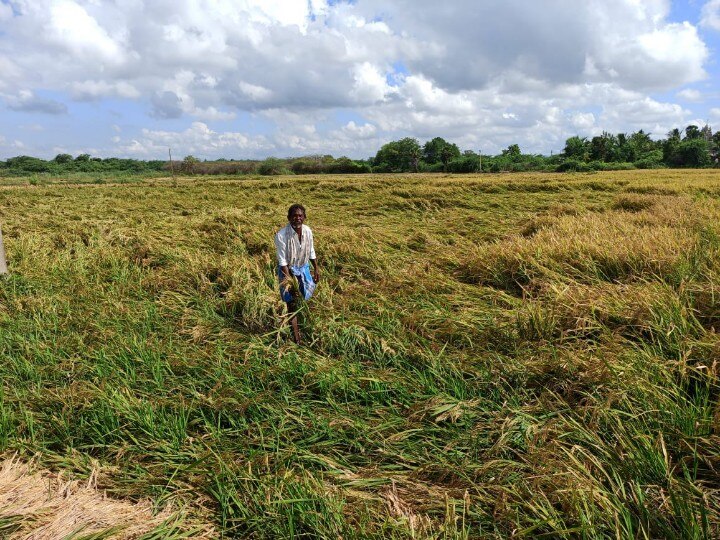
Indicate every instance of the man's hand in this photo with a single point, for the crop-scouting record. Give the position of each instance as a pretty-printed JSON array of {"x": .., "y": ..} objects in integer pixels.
[{"x": 316, "y": 270}]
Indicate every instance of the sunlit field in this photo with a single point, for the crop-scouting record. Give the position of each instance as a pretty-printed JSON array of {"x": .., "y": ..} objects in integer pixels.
[{"x": 486, "y": 356}]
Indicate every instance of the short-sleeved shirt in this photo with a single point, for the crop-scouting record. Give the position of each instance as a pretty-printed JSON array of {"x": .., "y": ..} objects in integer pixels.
[{"x": 292, "y": 252}]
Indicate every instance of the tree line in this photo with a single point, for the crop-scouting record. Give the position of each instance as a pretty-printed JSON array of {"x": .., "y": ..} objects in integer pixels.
[{"x": 692, "y": 147}]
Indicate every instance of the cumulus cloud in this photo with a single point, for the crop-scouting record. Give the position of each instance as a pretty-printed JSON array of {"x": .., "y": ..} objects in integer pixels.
[
  {"x": 353, "y": 131},
  {"x": 690, "y": 94},
  {"x": 92, "y": 90},
  {"x": 5, "y": 12},
  {"x": 198, "y": 139},
  {"x": 166, "y": 105},
  {"x": 710, "y": 16},
  {"x": 27, "y": 101},
  {"x": 555, "y": 40},
  {"x": 477, "y": 72},
  {"x": 71, "y": 27}
]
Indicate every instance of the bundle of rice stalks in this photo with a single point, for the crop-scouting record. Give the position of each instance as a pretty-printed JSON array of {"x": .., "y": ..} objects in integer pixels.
[{"x": 290, "y": 284}]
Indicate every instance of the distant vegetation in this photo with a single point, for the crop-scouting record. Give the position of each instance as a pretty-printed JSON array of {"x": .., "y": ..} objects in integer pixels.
[{"x": 694, "y": 147}]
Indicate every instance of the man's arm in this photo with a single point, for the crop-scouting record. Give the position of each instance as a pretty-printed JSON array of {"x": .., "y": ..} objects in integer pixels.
[
  {"x": 316, "y": 270},
  {"x": 281, "y": 250},
  {"x": 313, "y": 258}
]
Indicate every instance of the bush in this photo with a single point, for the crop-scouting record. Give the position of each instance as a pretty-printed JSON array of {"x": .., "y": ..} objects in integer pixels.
[
  {"x": 307, "y": 166},
  {"x": 465, "y": 164},
  {"x": 273, "y": 167},
  {"x": 648, "y": 164},
  {"x": 432, "y": 167},
  {"x": 345, "y": 165},
  {"x": 188, "y": 164},
  {"x": 622, "y": 166},
  {"x": 572, "y": 165}
]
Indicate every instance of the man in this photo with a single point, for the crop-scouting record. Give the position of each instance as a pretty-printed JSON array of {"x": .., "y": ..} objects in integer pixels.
[{"x": 295, "y": 250}]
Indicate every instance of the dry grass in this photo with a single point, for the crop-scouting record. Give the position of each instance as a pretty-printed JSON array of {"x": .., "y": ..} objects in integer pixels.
[{"x": 39, "y": 505}]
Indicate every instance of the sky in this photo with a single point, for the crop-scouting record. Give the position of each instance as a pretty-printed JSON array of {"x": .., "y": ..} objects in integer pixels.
[{"x": 248, "y": 79}]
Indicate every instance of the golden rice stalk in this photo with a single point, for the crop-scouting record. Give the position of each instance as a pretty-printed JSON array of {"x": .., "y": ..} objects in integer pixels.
[{"x": 43, "y": 506}]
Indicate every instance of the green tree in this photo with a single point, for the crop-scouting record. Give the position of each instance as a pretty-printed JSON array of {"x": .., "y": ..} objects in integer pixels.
[
  {"x": 670, "y": 145},
  {"x": 716, "y": 140},
  {"x": 623, "y": 151},
  {"x": 398, "y": 156},
  {"x": 438, "y": 150},
  {"x": 641, "y": 145},
  {"x": 188, "y": 164},
  {"x": 693, "y": 152},
  {"x": 692, "y": 132},
  {"x": 62, "y": 159},
  {"x": 28, "y": 164},
  {"x": 603, "y": 147},
  {"x": 513, "y": 152},
  {"x": 577, "y": 148}
]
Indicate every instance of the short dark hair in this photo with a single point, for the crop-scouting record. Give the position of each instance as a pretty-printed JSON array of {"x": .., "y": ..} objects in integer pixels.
[{"x": 294, "y": 207}]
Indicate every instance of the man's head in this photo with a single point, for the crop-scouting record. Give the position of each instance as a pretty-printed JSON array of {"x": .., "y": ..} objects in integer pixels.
[{"x": 296, "y": 215}]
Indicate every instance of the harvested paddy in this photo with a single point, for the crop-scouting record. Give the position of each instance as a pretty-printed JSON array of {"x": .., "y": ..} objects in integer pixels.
[{"x": 487, "y": 356}]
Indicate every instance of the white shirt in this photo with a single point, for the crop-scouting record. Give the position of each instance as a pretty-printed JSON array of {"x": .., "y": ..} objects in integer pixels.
[{"x": 292, "y": 252}]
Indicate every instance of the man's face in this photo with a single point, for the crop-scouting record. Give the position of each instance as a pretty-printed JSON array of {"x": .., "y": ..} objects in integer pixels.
[{"x": 297, "y": 218}]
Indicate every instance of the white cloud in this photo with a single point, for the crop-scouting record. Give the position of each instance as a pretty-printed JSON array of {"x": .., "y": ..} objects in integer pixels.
[
  {"x": 690, "y": 94},
  {"x": 72, "y": 28},
  {"x": 27, "y": 101},
  {"x": 710, "y": 16},
  {"x": 198, "y": 139},
  {"x": 11, "y": 74},
  {"x": 475, "y": 71},
  {"x": 254, "y": 92},
  {"x": 583, "y": 122},
  {"x": 211, "y": 113},
  {"x": 353, "y": 131},
  {"x": 554, "y": 40},
  {"x": 6, "y": 12},
  {"x": 370, "y": 84},
  {"x": 91, "y": 90},
  {"x": 644, "y": 113}
]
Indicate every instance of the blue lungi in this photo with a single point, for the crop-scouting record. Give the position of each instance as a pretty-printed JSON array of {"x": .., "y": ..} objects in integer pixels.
[{"x": 305, "y": 282}]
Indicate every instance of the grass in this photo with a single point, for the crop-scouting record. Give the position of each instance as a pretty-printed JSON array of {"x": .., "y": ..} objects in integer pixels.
[
  {"x": 50, "y": 507},
  {"x": 487, "y": 356}
]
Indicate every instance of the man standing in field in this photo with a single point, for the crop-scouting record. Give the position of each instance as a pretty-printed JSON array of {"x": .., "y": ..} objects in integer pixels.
[{"x": 295, "y": 250}]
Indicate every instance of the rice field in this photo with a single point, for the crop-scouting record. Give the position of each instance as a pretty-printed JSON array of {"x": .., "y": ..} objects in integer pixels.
[{"x": 489, "y": 356}]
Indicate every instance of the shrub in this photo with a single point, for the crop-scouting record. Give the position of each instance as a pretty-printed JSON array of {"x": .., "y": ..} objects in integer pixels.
[
  {"x": 465, "y": 164},
  {"x": 273, "y": 167},
  {"x": 572, "y": 165},
  {"x": 307, "y": 166}
]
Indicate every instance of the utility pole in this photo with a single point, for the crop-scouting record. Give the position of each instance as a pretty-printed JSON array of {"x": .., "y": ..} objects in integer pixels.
[
  {"x": 3, "y": 262},
  {"x": 172, "y": 169},
  {"x": 480, "y": 154}
]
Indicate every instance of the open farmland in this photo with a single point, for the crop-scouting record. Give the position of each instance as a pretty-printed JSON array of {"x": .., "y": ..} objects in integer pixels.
[{"x": 486, "y": 356}]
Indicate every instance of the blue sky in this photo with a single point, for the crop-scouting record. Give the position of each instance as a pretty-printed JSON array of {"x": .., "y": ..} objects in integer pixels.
[{"x": 251, "y": 78}]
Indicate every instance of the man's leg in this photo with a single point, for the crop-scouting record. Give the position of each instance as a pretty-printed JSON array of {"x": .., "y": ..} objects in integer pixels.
[{"x": 292, "y": 307}]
